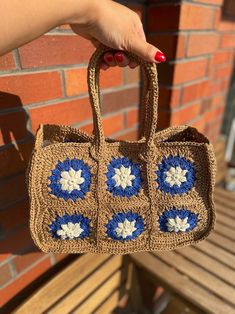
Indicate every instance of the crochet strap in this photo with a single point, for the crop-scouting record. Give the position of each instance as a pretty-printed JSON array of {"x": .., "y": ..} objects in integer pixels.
[{"x": 151, "y": 93}]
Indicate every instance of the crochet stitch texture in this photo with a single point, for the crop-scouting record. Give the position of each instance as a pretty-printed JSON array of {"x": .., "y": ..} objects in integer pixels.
[{"x": 89, "y": 193}]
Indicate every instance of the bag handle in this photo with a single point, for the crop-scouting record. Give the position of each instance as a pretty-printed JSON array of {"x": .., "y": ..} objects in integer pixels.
[{"x": 151, "y": 95}]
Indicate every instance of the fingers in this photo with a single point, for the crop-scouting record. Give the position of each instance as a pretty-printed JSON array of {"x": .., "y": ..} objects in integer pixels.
[
  {"x": 147, "y": 51},
  {"x": 118, "y": 58}
]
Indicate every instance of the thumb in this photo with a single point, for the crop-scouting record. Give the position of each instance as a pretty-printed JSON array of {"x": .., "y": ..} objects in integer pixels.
[{"x": 147, "y": 51}]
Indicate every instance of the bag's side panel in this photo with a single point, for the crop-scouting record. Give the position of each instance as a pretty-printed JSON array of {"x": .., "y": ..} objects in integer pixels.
[
  {"x": 63, "y": 210},
  {"x": 184, "y": 181}
]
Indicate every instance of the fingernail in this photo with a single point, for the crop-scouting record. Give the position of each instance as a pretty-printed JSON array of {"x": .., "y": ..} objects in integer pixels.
[
  {"x": 119, "y": 57},
  {"x": 160, "y": 57},
  {"x": 109, "y": 58}
]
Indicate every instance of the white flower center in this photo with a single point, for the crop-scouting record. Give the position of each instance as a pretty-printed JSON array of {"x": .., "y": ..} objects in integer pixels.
[
  {"x": 177, "y": 224},
  {"x": 123, "y": 177},
  {"x": 126, "y": 228},
  {"x": 70, "y": 230},
  {"x": 71, "y": 180},
  {"x": 176, "y": 176}
]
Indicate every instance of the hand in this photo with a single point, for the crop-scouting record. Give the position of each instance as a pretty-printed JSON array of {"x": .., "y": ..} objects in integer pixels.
[{"x": 120, "y": 28}]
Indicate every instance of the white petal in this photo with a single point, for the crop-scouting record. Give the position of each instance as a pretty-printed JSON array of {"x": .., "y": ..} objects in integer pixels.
[
  {"x": 117, "y": 171},
  {"x": 123, "y": 184},
  {"x": 76, "y": 187},
  {"x": 172, "y": 170},
  {"x": 65, "y": 174},
  {"x": 60, "y": 232},
  {"x": 184, "y": 172},
  {"x": 131, "y": 177},
  {"x": 70, "y": 225},
  {"x": 72, "y": 172},
  {"x": 80, "y": 180},
  {"x": 64, "y": 227},
  {"x": 78, "y": 174}
]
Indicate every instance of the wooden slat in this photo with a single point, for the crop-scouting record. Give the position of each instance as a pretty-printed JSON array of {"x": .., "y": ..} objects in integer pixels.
[
  {"x": 227, "y": 195},
  {"x": 217, "y": 253},
  {"x": 95, "y": 299},
  {"x": 225, "y": 220},
  {"x": 225, "y": 231},
  {"x": 56, "y": 288},
  {"x": 180, "y": 284},
  {"x": 225, "y": 210},
  {"x": 209, "y": 264},
  {"x": 221, "y": 202},
  {"x": 221, "y": 241},
  {"x": 110, "y": 304},
  {"x": 81, "y": 292},
  {"x": 199, "y": 275}
]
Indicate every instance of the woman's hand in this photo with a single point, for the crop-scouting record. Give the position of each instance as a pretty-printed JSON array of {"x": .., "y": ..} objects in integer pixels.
[{"x": 118, "y": 27}]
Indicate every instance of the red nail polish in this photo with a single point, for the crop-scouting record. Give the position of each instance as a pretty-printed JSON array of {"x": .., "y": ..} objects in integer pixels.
[
  {"x": 119, "y": 57},
  {"x": 109, "y": 58},
  {"x": 160, "y": 57}
]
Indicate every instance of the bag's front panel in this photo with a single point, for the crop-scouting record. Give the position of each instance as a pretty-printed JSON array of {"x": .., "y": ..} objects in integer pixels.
[
  {"x": 124, "y": 215},
  {"x": 64, "y": 207},
  {"x": 182, "y": 194}
]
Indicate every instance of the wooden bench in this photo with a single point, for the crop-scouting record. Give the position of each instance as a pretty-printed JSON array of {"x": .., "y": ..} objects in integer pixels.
[
  {"x": 91, "y": 284},
  {"x": 203, "y": 275}
]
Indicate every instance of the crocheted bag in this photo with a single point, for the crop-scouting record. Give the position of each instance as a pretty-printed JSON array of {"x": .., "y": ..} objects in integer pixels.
[{"x": 91, "y": 193}]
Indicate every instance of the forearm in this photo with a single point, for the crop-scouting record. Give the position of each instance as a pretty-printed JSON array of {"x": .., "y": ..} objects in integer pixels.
[{"x": 24, "y": 20}]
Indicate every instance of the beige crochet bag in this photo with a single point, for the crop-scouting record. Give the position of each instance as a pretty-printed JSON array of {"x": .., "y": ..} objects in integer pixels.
[{"x": 94, "y": 194}]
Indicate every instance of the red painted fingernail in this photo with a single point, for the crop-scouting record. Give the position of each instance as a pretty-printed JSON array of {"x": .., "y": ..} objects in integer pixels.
[
  {"x": 109, "y": 58},
  {"x": 119, "y": 57},
  {"x": 160, "y": 57}
]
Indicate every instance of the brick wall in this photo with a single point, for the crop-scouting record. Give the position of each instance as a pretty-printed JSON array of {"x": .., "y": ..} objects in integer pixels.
[
  {"x": 45, "y": 82},
  {"x": 200, "y": 45}
]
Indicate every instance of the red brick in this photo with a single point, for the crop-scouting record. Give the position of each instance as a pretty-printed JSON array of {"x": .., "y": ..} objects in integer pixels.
[
  {"x": 131, "y": 75},
  {"x": 14, "y": 158},
  {"x": 190, "y": 70},
  {"x": 202, "y": 44},
  {"x": 185, "y": 114},
  {"x": 12, "y": 189},
  {"x": 31, "y": 87},
  {"x": 132, "y": 118},
  {"x": 22, "y": 281},
  {"x": 163, "y": 18},
  {"x": 195, "y": 91},
  {"x": 51, "y": 50},
  {"x": 128, "y": 135},
  {"x": 216, "y": 2},
  {"x": 4, "y": 256},
  {"x": 17, "y": 241},
  {"x": 111, "y": 125},
  {"x": 196, "y": 17},
  {"x": 172, "y": 45},
  {"x": 7, "y": 62},
  {"x": 168, "y": 98},
  {"x": 117, "y": 100},
  {"x": 69, "y": 112},
  {"x": 76, "y": 80},
  {"x": 227, "y": 41},
  {"x": 5, "y": 274},
  {"x": 13, "y": 127},
  {"x": 223, "y": 72},
  {"x": 22, "y": 262},
  {"x": 20, "y": 212},
  {"x": 221, "y": 57},
  {"x": 199, "y": 124}
]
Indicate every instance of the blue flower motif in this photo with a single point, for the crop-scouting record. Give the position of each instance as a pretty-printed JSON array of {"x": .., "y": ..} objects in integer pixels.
[
  {"x": 125, "y": 226},
  {"x": 70, "y": 227},
  {"x": 123, "y": 177},
  {"x": 175, "y": 175},
  {"x": 70, "y": 179},
  {"x": 178, "y": 220}
]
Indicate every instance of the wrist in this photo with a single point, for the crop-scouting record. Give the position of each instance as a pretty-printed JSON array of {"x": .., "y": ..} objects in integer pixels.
[{"x": 80, "y": 12}]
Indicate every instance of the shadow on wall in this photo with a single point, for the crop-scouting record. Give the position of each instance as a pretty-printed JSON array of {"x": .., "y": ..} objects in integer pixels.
[{"x": 16, "y": 146}]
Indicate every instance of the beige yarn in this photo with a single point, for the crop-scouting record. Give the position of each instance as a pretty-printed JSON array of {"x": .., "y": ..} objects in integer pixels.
[{"x": 99, "y": 205}]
